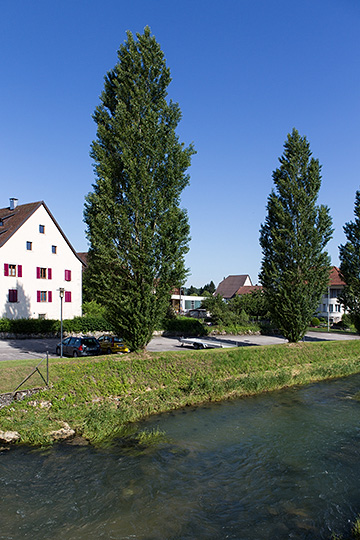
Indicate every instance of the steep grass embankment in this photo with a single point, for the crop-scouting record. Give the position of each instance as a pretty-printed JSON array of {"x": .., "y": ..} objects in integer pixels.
[{"x": 98, "y": 397}]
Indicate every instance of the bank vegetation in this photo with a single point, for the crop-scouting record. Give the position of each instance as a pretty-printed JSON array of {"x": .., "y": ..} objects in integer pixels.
[{"x": 98, "y": 398}]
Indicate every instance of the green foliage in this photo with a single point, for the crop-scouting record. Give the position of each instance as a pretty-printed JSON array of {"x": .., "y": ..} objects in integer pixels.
[
  {"x": 231, "y": 316},
  {"x": 295, "y": 268},
  {"x": 219, "y": 310},
  {"x": 254, "y": 304},
  {"x": 315, "y": 321},
  {"x": 93, "y": 309},
  {"x": 52, "y": 326},
  {"x": 138, "y": 234},
  {"x": 346, "y": 320},
  {"x": 5, "y": 325},
  {"x": 185, "y": 326},
  {"x": 87, "y": 324},
  {"x": 206, "y": 290},
  {"x": 349, "y": 255}
]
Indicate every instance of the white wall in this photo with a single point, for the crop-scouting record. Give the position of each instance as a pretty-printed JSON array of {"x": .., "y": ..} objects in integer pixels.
[
  {"x": 331, "y": 307},
  {"x": 14, "y": 252}
]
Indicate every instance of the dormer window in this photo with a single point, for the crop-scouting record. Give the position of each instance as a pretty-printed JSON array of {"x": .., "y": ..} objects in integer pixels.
[
  {"x": 1, "y": 223},
  {"x": 42, "y": 229}
]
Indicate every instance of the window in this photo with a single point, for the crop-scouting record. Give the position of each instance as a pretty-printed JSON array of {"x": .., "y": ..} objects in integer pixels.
[
  {"x": 13, "y": 295},
  {"x": 337, "y": 308},
  {"x": 42, "y": 296},
  {"x": 29, "y": 246},
  {"x": 67, "y": 296},
  {"x": 42, "y": 229},
  {"x": 43, "y": 273},
  {"x": 53, "y": 249},
  {"x": 12, "y": 270},
  {"x": 67, "y": 275},
  {"x": 1, "y": 223},
  {"x": 334, "y": 293},
  {"x": 331, "y": 308}
]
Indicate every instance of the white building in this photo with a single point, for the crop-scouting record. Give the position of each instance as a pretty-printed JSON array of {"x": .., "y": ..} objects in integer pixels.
[
  {"x": 330, "y": 307},
  {"x": 36, "y": 261}
]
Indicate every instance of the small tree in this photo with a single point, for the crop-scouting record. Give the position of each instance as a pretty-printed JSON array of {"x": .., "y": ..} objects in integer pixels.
[
  {"x": 349, "y": 255},
  {"x": 295, "y": 268},
  {"x": 218, "y": 309},
  {"x": 138, "y": 234}
]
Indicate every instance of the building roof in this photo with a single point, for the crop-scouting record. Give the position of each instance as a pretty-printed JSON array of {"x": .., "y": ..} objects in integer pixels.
[
  {"x": 83, "y": 256},
  {"x": 249, "y": 289},
  {"x": 230, "y": 285},
  {"x": 335, "y": 278},
  {"x": 12, "y": 220}
]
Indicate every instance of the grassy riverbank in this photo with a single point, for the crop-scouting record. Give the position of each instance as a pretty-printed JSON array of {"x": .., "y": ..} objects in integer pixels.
[{"x": 98, "y": 397}]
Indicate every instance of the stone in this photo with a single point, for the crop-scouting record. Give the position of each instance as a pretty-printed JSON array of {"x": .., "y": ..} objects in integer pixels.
[
  {"x": 63, "y": 433},
  {"x": 9, "y": 437}
]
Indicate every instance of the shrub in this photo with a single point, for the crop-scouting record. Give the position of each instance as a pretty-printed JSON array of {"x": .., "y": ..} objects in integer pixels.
[
  {"x": 315, "y": 321},
  {"x": 185, "y": 325},
  {"x": 5, "y": 325},
  {"x": 52, "y": 326}
]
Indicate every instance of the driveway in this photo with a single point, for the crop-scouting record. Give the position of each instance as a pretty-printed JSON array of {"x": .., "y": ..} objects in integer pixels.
[{"x": 18, "y": 349}]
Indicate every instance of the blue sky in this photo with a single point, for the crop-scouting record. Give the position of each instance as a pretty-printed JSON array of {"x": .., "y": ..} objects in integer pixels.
[{"x": 244, "y": 74}]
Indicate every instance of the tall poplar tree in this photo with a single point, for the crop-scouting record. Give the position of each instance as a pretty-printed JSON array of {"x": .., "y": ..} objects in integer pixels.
[
  {"x": 349, "y": 255},
  {"x": 295, "y": 268},
  {"x": 137, "y": 231}
]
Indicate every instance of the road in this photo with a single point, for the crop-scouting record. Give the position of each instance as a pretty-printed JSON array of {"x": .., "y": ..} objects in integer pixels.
[{"x": 16, "y": 349}]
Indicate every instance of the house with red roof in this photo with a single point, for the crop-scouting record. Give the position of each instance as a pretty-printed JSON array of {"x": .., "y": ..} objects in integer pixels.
[
  {"x": 235, "y": 285},
  {"x": 330, "y": 306},
  {"x": 37, "y": 261}
]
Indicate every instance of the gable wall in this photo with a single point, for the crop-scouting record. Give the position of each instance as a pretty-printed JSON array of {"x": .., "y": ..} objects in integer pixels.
[{"x": 14, "y": 252}]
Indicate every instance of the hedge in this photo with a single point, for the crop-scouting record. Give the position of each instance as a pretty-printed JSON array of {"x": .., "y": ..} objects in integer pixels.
[
  {"x": 185, "y": 326},
  {"x": 52, "y": 326}
]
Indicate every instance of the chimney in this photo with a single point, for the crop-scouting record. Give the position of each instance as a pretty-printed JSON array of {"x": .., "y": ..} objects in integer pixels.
[{"x": 13, "y": 203}]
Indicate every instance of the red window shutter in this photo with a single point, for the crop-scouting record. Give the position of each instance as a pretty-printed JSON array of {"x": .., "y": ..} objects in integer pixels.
[
  {"x": 67, "y": 275},
  {"x": 19, "y": 270},
  {"x": 38, "y": 296},
  {"x": 6, "y": 269},
  {"x": 38, "y": 273},
  {"x": 50, "y": 296},
  {"x": 49, "y": 273},
  {"x": 67, "y": 296}
]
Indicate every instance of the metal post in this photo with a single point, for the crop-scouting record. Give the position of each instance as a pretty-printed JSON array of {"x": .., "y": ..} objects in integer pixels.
[
  {"x": 328, "y": 310},
  {"x": 61, "y": 294}
]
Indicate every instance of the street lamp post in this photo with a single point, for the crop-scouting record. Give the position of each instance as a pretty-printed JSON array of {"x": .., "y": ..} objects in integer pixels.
[{"x": 61, "y": 294}]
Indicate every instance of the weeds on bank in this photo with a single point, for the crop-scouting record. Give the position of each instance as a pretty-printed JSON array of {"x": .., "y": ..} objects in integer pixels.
[
  {"x": 98, "y": 397},
  {"x": 354, "y": 533}
]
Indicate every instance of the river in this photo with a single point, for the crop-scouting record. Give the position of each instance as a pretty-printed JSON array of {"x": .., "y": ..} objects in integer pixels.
[{"x": 283, "y": 465}]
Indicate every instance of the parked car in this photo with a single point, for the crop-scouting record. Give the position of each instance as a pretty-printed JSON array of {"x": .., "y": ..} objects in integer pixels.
[
  {"x": 79, "y": 346},
  {"x": 112, "y": 344}
]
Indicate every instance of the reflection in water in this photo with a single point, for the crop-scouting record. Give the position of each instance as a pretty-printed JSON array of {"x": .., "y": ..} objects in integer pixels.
[{"x": 281, "y": 465}]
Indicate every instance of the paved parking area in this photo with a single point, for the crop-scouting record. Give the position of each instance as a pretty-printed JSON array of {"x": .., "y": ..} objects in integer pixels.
[
  {"x": 16, "y": 349},
  {"x": 19, "y": 349}
]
